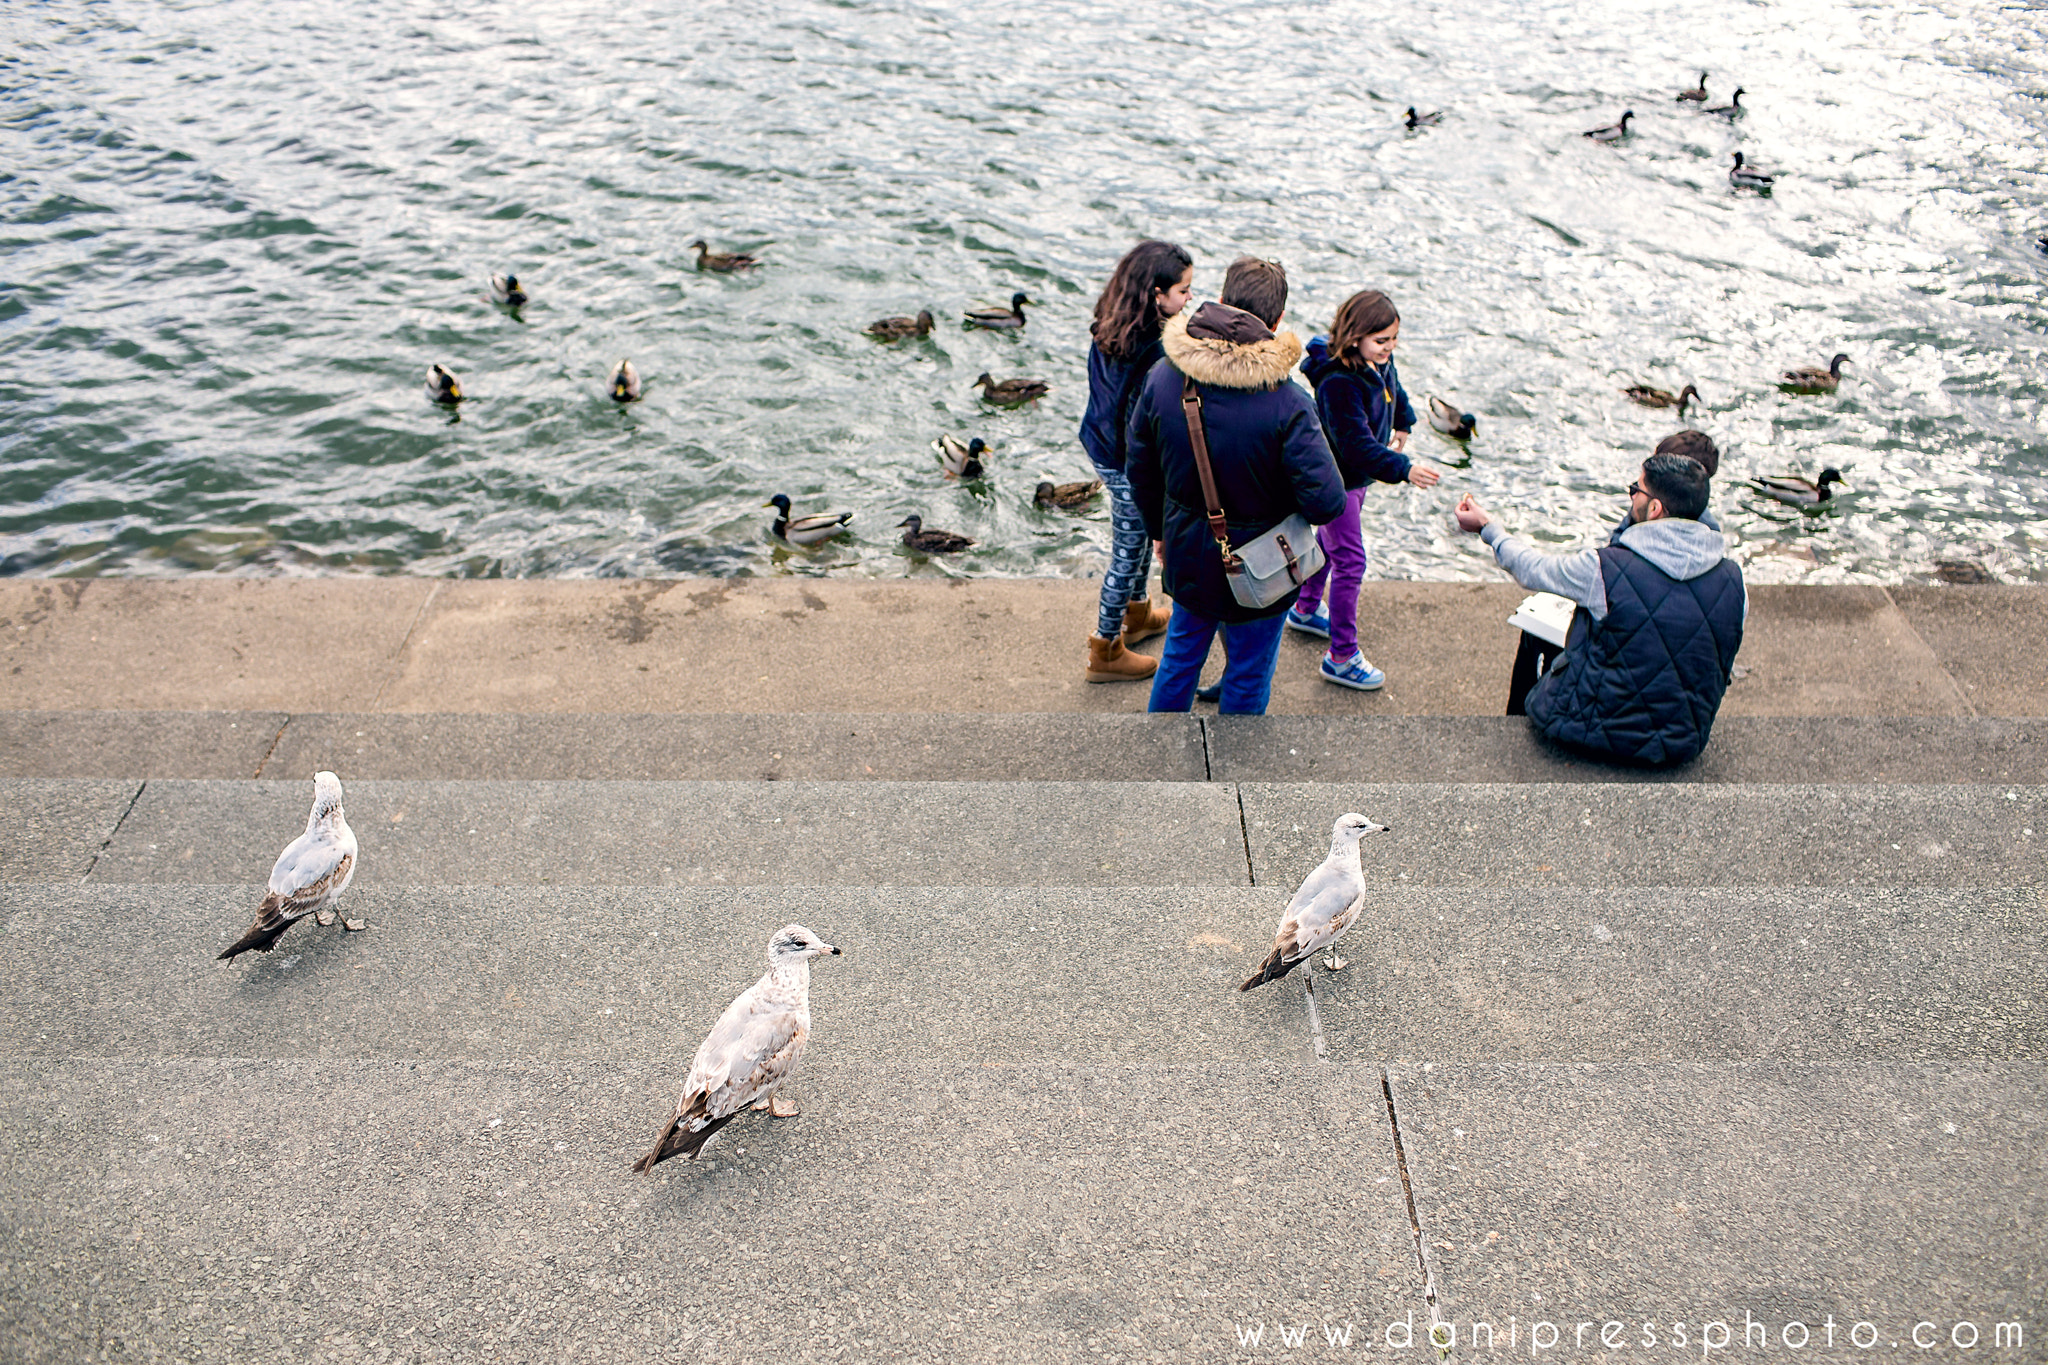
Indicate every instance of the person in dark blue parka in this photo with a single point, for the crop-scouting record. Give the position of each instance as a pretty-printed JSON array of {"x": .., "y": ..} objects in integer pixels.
[{"x": 1270, "y": 461}]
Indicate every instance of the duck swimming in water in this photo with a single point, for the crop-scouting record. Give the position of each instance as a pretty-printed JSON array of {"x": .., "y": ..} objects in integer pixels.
[
  {"x": 505, "y": 290},
  {"x": 810, "y": 530},
  {"x": 1732, "y": 109},
  {"x": 897, "y": 328},
  {"x": 442, "y": 385},
  {"x": 1009, "y": 393},
  {"x": 1698, "y": 94},
  {"x": 1744, "y": 176},
  {"x": 932, "y": 542},
  {"x": 1613, "y": 132},
  {"x": 1066, "y": 496},
  {"x": 1001, "y": 319},
  {"x": 1416, "y": 120},
  {"x": 1447, "y": 419},
  {"x": 1659, "y": 398},
  {"x": 623, "y": 383},
  {"x": 722, "y": 262},
  {"x": 962, "y": 460},
  {"x": 1808, "y": 379},
  {"x": 1808, "y": 495}
]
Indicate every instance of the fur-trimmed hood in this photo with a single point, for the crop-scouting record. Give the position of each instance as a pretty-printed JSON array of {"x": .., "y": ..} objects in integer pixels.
[{"x": 1211, "y": 359}]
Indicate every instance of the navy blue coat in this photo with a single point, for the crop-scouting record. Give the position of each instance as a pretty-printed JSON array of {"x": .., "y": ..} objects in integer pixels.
[
  {"x": 1267, "y": 449},
  {"x": 1643, "y": 683},
  {"x": 1112, "y": 393},
  {"x": 1359, "y": 417}
]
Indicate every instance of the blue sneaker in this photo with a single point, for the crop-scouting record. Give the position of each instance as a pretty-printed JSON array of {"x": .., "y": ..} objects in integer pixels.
[
  {"x": 1354, "y": 673},
  {"x": 1316, "y": 623}
]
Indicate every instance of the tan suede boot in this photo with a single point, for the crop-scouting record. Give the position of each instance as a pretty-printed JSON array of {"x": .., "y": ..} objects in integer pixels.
[
  {"x": 1143, "y": 620},
  {"x": 1109, "y": 661}
]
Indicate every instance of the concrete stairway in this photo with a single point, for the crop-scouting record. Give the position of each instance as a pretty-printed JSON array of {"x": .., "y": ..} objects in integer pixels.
[{"x": 1757, "y": 1043}]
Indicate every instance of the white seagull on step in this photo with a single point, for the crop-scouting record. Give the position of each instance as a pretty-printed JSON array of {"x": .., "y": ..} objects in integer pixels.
[
  {"x": 313, "y": 869},
  {"x": 1325, "y": 907},
  {"x": 750, "y": 1051}
]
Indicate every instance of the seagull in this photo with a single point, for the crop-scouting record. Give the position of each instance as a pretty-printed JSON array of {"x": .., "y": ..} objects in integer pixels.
[
  {"x": 1325, "y": 907},
  {"x": 750, "y": 1051},
  {"x": 312, "y": 871}
]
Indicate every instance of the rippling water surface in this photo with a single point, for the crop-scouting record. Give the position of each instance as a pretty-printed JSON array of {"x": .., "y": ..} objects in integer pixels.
[{"x": 232, "y": 237}]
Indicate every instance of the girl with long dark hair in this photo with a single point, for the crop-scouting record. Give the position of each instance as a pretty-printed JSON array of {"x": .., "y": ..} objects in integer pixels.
[{"x": 1150, "y": 285}]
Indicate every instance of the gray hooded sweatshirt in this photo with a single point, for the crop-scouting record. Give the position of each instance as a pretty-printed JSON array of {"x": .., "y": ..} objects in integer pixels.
[{"x": 1683, "y": 549}]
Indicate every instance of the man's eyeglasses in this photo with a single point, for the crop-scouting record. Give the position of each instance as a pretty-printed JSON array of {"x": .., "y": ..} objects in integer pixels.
[{"x": 1635, "y": 490}]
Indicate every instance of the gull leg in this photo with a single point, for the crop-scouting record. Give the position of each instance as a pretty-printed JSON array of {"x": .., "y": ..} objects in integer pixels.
[
  {"x": 1333, "y": 962},
  {"x": 783, "y": 1107},
  {"x": 323, "y": 918}
]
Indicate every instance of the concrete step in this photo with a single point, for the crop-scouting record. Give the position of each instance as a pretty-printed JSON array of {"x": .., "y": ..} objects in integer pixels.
[
  {"x": 1777, "y": 1191},
  {"x": 1021, "y": 977},
  {"x": 233, "y": 1209},
  {"x": 767, "y": 746},
  {"x": 1040, "y": 834}
]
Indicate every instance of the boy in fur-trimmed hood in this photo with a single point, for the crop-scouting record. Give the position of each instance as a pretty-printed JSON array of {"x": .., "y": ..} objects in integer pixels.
[{"x": 1270, "y": 461}]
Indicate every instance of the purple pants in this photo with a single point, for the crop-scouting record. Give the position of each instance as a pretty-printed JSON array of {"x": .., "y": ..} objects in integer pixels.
[{"x": 1343, "y": 542}]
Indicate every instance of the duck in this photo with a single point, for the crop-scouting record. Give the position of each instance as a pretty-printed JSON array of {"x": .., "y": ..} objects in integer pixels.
[
  {"x": 931, "y": 542},
  {"x": 1066, "y": 496},
  {"x": 1807, "y": 379},
  {"x": 623, "y": 384},
  {"x": 1659, "y": 398},
  {"x": 725, "y": 262},
  {"x": 897, "y": 328},
  {"x": 1807, "y": 494},
  {"x": 998, "y": 319},
  {"x": 1732, "y": 109},
  {"x": 1613, "y": 132},
  {"x": 1009, "y": 393},
  {"x": 443, "y": 386},
  {"x": 1416, "y": 120},
  {"x": 1451, "y": 422},
  {"x": 505, "y": 289},
  {"x": 805, "y": 530},
  {"x": 1698, "y": 94},
  {"x": 1746, "y": 177},
  {"x": 962, "y": 461}
]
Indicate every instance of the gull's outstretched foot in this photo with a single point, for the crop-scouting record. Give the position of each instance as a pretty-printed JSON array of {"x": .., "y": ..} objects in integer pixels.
[
  {"x": 355, "y": 926},
  {"x": 323, "y": 918},
  {"x": 1335, "y": 963},
  {"x": 782, "y": 1107}
]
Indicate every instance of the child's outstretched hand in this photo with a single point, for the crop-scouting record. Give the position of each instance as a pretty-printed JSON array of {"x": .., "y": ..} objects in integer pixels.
[{"x": 1422, "y": 475}]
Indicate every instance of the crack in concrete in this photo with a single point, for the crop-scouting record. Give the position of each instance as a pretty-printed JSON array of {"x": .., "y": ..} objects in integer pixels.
[
  {"x": 113, "y": 833},
  {"x": 398, "y": 654},
  {"x": 1251, "y": 873},
  {"x": 1913, "y": 630},
  {"x": 1208, "y": 773},
  {"x": 1414, "y": 1219},
  {"x": 275, "y": 739}
]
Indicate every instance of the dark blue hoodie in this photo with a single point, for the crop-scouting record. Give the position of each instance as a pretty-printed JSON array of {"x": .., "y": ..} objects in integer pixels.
[
  {"x": 1112, "y": 392},
  {"x": 1361, "y": 411}
]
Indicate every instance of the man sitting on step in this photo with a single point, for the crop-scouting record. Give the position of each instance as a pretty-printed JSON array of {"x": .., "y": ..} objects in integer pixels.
[{"x": 1660, "y": 618}]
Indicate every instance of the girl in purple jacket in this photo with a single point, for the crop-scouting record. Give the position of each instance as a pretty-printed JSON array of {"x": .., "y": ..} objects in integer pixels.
[{"x": 1366, "y": 418}]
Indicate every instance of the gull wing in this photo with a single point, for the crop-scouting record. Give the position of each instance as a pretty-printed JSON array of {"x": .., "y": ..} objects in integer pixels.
[{"x": 748, "y": 1053}]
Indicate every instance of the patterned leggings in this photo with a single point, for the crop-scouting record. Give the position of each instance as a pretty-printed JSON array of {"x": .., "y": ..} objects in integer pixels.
[{"x": 1130, "y": 555}]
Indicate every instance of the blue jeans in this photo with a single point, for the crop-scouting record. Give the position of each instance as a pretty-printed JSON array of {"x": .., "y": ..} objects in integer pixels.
[
  {"x": 1130, "y": 554},
  {"x": 1247, "y": 677}
]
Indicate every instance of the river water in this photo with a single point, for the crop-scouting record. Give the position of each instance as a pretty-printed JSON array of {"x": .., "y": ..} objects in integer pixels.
[{"x": 233, "y": 236}]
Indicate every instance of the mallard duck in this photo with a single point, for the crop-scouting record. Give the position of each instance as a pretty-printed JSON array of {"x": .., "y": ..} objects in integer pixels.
[
  {"x": 962, "y": 461},
  {"x": 931, "y": 542},
  {"x": 897, "y": 328},
  {"x": 1000, "y": 318},
  {"x": 1807, "y": 379},
  {"x": 1009, "y": 392},
  {"x": 1962, "y": 571},
  {"x": 1806, "y": 494},
  {"x": 1613, "y": 132},
  {"x": 723, "y": 261},
  {"x": 623, "y": 383},
  {"x": 1746, "y": 177},
  {"x": 1416, "y": 120},
  {"x": 1451, "y": 422},
  {"x": 443, "y": 386},
  {"x": 1732, "y": 109},
  {"x": 805, "y": 530},
  {"x": 1066, "y": 496},
  {"x": 1698, "y": 94},
  {"x": 505, "y": 289},
  {"x": 1658, "y": 398}
]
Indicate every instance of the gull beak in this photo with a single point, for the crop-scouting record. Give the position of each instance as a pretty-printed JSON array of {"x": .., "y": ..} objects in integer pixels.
[{"x": 835, "y": 950}]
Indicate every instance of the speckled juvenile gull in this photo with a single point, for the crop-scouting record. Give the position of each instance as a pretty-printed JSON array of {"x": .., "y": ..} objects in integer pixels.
[
  {"x": 1325, "y": 907},
  {"x": 313, "y": 869},
  {"x": 750, "y": 1051}
]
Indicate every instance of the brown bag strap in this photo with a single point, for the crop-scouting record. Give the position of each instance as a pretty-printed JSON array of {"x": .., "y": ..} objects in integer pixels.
[{"x": 1198, "y": 439}]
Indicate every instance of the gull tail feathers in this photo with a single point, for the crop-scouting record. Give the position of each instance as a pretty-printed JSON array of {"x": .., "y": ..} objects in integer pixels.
[
  {"x": 264, "y": 933},
  {"x": 1273, "y": 968},
  {"x": 676, "y": 1140}
]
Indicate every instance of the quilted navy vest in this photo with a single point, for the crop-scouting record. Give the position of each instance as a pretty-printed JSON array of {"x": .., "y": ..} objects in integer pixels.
[{"x": 1642, "y": 685}]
